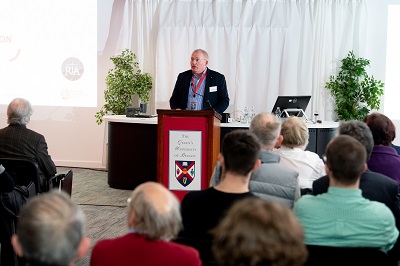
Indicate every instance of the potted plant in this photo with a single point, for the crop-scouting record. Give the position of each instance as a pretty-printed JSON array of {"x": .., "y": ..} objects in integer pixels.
[
  {"x": 354, "y": 92},
  {"x": 123, "y": 81}
]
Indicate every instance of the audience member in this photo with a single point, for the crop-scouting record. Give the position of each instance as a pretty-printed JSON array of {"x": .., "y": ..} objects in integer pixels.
[
  {"x": 294, "y": 155},
  {"x": 6, "y": 181},
  {"x": 272, "y": 180},
  {"x": 50, "y": 231},
  {"x": 259, "y": 232},
  {"x": 384, "y": 158},
  {"x": 17, "y": 141},
  {"x": 202, "y": 210},
  {"x": 200, "y": 87},
  {"x": 153, "y": 219},
  {"x": 6, "y": 185},
  {"x": 374, "y": 186},
  {"x": 342, "y": 217}
]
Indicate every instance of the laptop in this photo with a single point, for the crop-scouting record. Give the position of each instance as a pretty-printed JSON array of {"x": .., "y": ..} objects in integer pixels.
[{"x": 292, "y": 104}]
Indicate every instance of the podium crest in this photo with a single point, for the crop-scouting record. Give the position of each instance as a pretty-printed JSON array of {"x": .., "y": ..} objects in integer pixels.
[{"x": 185, "y": 172}]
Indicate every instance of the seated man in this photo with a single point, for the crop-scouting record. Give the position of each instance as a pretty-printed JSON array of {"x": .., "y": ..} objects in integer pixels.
[
  {"x": 384, "y": 158},
  {"x": 202, "y": 210},
  {"x": 153, "y": 219},
  {"x": 293, "y": 153},
  {"x": 374, "y": 186},
  {"x": 272, "y": 180},
  {"x": 50, "y": 231},
  {"x": 342, "y": 217},
  {"x": 259, "y": 232},
  {"x": 17, "y": 141}
]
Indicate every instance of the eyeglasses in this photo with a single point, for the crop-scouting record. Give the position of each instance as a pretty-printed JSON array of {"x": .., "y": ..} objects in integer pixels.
[{"x": 196, "y": 59}]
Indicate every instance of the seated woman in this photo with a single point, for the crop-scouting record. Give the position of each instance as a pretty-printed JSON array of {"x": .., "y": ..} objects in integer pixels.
[
  {"x": 384, "y": 158},
  {"x": 293, "y": 154}
]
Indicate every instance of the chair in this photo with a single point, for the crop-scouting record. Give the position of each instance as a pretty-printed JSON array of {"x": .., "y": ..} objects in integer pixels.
[
  {"x": 62, "y": 182},
  {"x": 25, "y": 173},
  {"x": 346, "y": 256}
]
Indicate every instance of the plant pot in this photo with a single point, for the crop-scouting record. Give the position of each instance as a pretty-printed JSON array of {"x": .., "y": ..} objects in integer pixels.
[{"x": 143, "y": 107}]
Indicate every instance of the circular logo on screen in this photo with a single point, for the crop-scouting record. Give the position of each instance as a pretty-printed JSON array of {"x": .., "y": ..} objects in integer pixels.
[{"x": 72, "y": 68}]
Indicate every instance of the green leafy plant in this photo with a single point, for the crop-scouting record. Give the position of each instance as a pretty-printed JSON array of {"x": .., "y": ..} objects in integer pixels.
[
  {"x": 123, "y": 81},
  {"x": 355, "y": 93}
]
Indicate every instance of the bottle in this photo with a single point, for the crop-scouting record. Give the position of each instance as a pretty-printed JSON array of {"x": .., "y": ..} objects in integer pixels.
[
  {"x": 252, "y": 113},
  {"x": 245, "y": 115},
  {"x": 278, "y": 112}
]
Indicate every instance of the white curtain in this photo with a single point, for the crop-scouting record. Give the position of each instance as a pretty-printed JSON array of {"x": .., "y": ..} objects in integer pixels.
[{"x": 265, "y": 48}]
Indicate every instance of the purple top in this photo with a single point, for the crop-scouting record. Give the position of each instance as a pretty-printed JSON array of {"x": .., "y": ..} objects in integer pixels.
[{"x": 385, "y": 160}]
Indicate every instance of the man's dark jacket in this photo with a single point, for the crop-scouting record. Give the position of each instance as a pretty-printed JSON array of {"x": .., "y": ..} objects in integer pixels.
[{"x": 217, "y": 100}]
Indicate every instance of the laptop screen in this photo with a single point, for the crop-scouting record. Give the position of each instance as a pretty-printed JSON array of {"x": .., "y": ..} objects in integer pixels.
[{"x": 291, "y": 102}]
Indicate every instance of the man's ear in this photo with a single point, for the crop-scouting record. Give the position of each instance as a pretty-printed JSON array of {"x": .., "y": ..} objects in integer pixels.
[
  {"x": 221, "y": 159},
  {"x": 278, "y": 141},
  {"x": 256, "y": 165},
  {"x": 17, "y": 247},
  {"x": 131, "y": 218},
  {"x": 327, "y": 170},
  {"x": 365, "y": 168},
  {"x": 83, "y": 247}
]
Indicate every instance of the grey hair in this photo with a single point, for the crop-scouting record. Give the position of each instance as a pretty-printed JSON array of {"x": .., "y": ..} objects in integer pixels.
[
  {"x": 50, "y": 229},
  {"x": 266, "y": 127},
  {"x": 19, "y": 112},
  {"x": 205, "y": 54},
  {"x": 160, "y": 219},
  {"x": 360, "y": 131}
]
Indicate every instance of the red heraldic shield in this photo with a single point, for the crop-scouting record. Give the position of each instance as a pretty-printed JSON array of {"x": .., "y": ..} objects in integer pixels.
[{"x": 184, "y": 172}]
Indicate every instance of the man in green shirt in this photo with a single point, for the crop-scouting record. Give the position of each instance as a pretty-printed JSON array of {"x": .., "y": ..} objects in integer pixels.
[{"x": 342, "y": 217}]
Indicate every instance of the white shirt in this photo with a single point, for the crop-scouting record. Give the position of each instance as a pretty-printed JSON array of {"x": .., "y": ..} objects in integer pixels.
[{"x": 308, "y": 164}]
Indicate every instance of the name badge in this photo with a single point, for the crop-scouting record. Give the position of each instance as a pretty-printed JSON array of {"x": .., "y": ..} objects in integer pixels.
[
  {"x": 213, "y": 89},
  {"x": 192, "y": 105}
]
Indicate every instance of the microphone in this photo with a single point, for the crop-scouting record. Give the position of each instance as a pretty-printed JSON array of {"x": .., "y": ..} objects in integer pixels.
[{"x": 204, "y": 97}]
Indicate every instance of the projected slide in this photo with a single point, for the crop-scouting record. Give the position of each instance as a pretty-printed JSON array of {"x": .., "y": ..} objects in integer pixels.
[{"x": 48, "y": 52}]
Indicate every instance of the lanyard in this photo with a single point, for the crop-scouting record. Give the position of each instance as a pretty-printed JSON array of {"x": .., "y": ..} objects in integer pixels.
[{"x": 198, "y": 84}]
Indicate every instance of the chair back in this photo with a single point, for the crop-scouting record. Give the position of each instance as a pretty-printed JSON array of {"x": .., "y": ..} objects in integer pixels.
[
  {"x": 63, "y": 182},
  {"x": 25, "y": 172},
  {"x": 326, "y": 255}
]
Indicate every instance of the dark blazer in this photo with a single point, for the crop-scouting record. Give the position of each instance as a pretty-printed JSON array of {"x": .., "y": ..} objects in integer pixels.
[
  {"x": 374, "y": 186},
  {"x": 218, "y": 100},
  {"x": 17, "y": 141}
]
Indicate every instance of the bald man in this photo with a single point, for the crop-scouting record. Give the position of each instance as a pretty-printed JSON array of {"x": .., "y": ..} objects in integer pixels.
[{"x": 153, "y": 219}]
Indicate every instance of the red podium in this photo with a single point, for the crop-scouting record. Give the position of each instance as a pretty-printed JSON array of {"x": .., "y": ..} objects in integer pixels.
[{"x": 188, "y": 147}]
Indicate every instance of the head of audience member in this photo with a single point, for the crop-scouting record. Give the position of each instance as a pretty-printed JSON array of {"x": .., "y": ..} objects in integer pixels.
[
  {"x": 198, "y": 61},
  {"x": 294, "y": 132},
  {"x": 240, "y": 153},
  {"x": 259, "y": 232},
  {"x": 345, "y": 161},
  {"x": 382, "y": 128},
  {"x": 267, "y": 128},
  {"x": 360, "y": 131},
  {"x": 154, "y": 211},
  {"x": 19, "y": 112},
  {"x": 50, "y": 230}
]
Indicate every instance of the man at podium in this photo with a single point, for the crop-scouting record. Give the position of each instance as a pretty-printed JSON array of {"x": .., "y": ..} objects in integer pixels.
[{"x": 200, "y": 88}]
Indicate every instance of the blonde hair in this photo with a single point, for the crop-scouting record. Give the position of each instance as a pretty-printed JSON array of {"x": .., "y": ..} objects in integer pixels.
[{"x": 294, "y": 132}]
